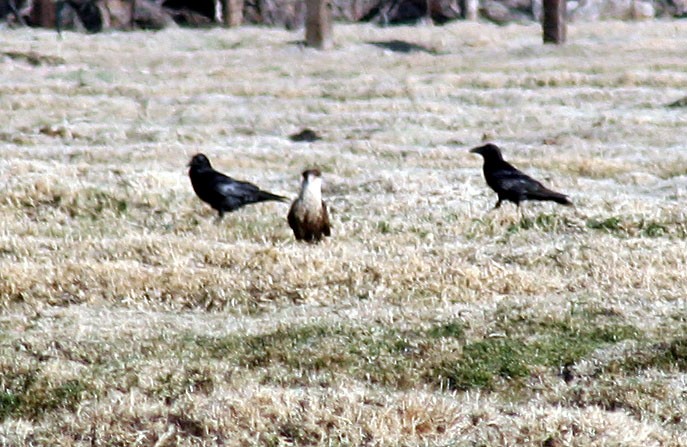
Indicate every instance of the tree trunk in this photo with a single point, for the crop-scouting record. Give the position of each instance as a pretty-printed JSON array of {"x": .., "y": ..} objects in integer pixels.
[
  {"x": 318, "y": 24},
  {"x": 233, "y": 12},
  {"x": 553, "y": 24}
]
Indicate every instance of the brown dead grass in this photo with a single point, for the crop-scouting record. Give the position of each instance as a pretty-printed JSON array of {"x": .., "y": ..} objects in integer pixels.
[{"x": 130, "y": 318}]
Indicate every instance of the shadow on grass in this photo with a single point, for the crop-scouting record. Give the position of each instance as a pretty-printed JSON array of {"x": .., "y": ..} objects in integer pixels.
[{"x": 401, "y": 46}]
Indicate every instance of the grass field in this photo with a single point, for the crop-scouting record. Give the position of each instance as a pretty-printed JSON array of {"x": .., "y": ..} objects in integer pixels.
[{"x": 129, "y": 317}]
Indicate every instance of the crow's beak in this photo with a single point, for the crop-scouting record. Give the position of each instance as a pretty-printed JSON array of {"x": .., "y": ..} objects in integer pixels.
[{"x": 474, "y": 150}]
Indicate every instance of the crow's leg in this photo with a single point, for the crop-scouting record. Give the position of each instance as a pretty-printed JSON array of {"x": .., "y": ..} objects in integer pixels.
[
  {"x": 220, "y": 215},
  {"x": 522, "y": 211},
  {"x": 497, "y": 206}
]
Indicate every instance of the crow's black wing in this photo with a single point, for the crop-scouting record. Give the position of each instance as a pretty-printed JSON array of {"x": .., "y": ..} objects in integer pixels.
[
  {"x": 237, "y": 193},
  {"x": 227, "y": 186},
  {"x": 509, "y": 181},
  {"x": 514, "y": 184}
]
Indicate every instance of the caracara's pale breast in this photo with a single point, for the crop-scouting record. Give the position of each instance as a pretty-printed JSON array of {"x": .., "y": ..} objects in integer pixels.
[{"x": 308, "y": 216}]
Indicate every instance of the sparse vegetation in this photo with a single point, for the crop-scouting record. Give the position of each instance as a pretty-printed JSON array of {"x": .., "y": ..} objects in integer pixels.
[{"x": 130, "y": 317}]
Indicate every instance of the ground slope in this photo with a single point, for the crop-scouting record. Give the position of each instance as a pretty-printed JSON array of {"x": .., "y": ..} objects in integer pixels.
[{"x": 129, "y": 317}]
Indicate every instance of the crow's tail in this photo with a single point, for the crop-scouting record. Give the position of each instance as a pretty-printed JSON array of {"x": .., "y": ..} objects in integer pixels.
[
  {"x": 547, "y": 194},
  {"x": 264, "y": 196}
]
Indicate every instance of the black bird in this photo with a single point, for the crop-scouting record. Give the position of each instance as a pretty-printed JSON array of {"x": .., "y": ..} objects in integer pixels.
[
  {"x": 223, "y": 193},
  {"x": 510, "y": 183}
]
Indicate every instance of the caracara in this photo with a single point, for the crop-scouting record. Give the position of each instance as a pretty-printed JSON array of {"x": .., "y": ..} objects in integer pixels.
[{"x": 308, "y": 216}]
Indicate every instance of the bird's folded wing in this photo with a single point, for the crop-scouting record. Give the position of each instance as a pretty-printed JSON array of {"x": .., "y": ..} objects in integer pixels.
[
  {"x": 326, "y": 226},
  {"x": 517, "y": 181},
  {"x": 235, "y": 188}
]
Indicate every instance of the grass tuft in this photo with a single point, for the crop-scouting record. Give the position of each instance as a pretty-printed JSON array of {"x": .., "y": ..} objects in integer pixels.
[
  {"x": 452, "y": 329},
  {"x": 612, "y": 225},
  {"x": 34, "y": 399},
  {"x": 481, "y": 363},
  {"x": 665, "y": 356}
]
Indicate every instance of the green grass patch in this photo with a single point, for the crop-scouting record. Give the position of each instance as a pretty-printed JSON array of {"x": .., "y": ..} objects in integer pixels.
[
  {"x": 50, "y": 397},
  {"x": 568, "y": 344},
  {"x": 90, "y": 203},
  {"x": 9, "y": 404},
  {"x": 664, "y": 356},
  {"x": 377, "y": 355},
  {"x": 27, "y": 397},
  {"x": 438, "y": 355},
  {"x": 172, "y": 385},
  {"x": 551, "y": 223},
  {"x": 93, "y": 203},
  {"x": 451, "y": 329},
  {"x": 481, "y": 363},
  {"x": 441, "y": 355},
  {"x": 652, "y": 229},
  {"x": 628, "y": 227},
  {"x": 547, "y": 223},
  {"x": 613, "y": 225},
  {"x": 526, "y": 344},
  {"x": 384, "y": 227},
  {"x": 494, "y": 224},
  {"x": 314, "y": 349}
]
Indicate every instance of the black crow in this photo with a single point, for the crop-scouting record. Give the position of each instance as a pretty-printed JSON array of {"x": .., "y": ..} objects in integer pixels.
[
  {"x": 223, "y": 193},
  {"x": 510, "y": 183},
  {"x": 308, "y": 216}
]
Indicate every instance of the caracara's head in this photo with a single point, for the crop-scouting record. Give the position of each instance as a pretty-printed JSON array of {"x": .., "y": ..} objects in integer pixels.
[
  {"x": 488, "y": 151},
  {"x": 312, "y": 180},
  {"x": 199, "y": 161},
  {"x": 311, "y": 174}
]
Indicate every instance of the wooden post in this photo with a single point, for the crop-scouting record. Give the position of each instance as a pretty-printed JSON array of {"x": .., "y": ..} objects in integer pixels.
[
  {"x": 318, "y": 24},
  {"x": 232, "y": 10},
  {"x": 4, "y": 8},
  {"x": 43, "y": 14},
  {"x": 469, "y": 9},
  {"x": 553, "y": 24}
]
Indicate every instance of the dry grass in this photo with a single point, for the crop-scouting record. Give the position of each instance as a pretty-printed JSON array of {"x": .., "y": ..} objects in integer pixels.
[{"x": 130, "y": 318}]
